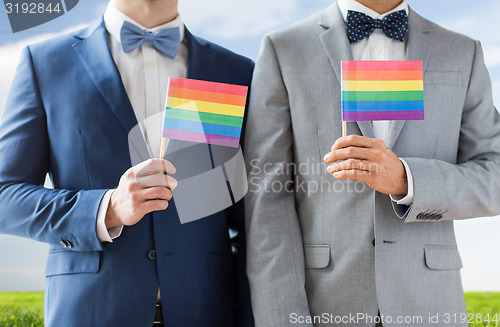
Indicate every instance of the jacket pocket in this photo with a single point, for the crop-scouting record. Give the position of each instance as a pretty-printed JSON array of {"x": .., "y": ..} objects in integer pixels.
[
  {"x": 317, "y": 256},
  {"x": 72, "y": 262},
  {"x": 442, "y": 257},
  {"x": 220, "y": 265}
]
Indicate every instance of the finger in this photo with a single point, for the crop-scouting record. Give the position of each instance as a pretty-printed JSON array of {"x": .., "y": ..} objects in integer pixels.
[
  {"x": 158, "y": 179},
  {"x": 153, "y": 166},
  {"x": 172, "y": 183},
  {"x": 359, "y": 175},
  {"x": 348, "y": 165},
  {"x": 156, "y": 193},
  {"x": 168, "y": 167},
  {"x": 357, "y": 141},
  {"x": 349, "y": 153},
  {"x": 155, "y": 205}
]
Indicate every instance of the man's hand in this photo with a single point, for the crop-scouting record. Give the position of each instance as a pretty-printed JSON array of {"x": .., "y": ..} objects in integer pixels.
[
  {"x": 370, "y": 161},
  {"x": 142, "y": 189}
]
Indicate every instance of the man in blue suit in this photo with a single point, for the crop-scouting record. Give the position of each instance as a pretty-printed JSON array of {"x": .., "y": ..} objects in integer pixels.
[{"x": 116, "y": 243}]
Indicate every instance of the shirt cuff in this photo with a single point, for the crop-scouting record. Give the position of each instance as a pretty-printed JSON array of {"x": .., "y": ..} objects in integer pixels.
[
  {"x": 104, "y": 234},
  {"x": 408, "y": 198}
]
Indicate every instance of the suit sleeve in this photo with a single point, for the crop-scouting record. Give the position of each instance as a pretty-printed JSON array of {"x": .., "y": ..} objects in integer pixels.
[
  {"x": 275, "y": 255},
  {"x": 471, "y": 187},
  {"x": 63, "y": 218}
]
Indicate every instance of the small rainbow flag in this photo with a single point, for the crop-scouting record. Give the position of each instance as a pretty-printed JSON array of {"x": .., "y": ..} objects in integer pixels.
[
  {"x": 382, "y": 90},
  {"x": 204, "y": 112}
]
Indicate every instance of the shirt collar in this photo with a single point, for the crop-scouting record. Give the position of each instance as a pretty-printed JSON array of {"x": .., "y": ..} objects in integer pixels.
[
  {"x": 114, "y": 18},
  {"x": 346, "y": 5}
]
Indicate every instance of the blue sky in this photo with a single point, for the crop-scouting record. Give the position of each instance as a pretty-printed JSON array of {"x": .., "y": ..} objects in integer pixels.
[{"x": 239, "y": 25}]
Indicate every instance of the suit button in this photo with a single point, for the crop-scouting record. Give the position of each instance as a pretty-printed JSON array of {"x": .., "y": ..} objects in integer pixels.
[
  {"x": 439, "y": 216},
  {"x": 66, "y": 243},
  {"x": 152, "y": 254},
  {"x": 420, "y": 216}
]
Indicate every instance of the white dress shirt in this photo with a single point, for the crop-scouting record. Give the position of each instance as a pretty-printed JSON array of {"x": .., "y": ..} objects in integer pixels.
[
  {"x": 144, "y": 72},
  {"x": 379, "y": 46}
]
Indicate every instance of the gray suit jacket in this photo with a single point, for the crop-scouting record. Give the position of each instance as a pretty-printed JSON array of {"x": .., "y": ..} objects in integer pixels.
[{"x": 335, "y": 249}]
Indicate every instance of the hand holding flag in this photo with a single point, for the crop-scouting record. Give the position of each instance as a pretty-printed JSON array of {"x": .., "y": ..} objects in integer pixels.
[
  {"x": 370, "y": 161},
  {"x": 376, "y": 90}
]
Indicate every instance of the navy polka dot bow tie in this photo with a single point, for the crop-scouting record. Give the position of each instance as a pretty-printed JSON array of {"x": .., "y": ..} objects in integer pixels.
[{"x": 360, "y": 26}]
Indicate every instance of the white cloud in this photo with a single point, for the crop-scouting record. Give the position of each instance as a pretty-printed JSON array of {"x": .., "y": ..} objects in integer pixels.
[
  {"x": 479, "y": 247},
  {"x": 241, "y": 18},
  {"x": 22, "y": 266},
  {"x": 25, "y": 270},
  {"x": 481, "y": 24},
  {"x": 10, "y": 58},
  {"x": 496, "y": 89}
]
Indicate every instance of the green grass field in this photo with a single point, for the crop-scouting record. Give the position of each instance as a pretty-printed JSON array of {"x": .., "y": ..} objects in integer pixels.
[
  {"x": 21, "y": 309},
  {"x": 25, "y": 309},
  {"x": 483, "y": 304}
]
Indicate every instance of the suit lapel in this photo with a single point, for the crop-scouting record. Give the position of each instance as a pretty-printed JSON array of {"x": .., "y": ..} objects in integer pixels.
[
  {"x": 201, "y": 60},
  {"x": 92, "y": 49},
  {"x": 337, "y": 48},
  {"x": 418, "y": 48}
]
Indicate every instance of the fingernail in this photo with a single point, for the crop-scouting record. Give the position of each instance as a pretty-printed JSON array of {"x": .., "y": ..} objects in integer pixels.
[
  {"x": 328, "y": 156},
  {"x": 172, "y": 183}
]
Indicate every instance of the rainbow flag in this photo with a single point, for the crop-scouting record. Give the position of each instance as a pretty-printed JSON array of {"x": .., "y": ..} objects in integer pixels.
[
  {"x": 204, "y": 112},
  {"x": 382, "y": 90}
]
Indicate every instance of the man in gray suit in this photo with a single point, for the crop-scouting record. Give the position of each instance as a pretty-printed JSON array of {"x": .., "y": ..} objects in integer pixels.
[{"x": 375, "y": 244}]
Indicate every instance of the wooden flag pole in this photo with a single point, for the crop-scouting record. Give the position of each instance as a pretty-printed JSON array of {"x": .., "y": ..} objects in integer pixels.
[
  {"x": 164, "y": 142},
  {"x": 344, "y": 128},
  {"x": 163, "y": 147}
]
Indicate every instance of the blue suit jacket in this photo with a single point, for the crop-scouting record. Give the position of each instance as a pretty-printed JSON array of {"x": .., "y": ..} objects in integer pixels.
[{"x": 68, "y": 114}]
